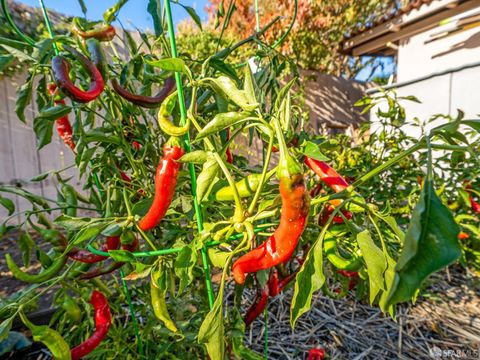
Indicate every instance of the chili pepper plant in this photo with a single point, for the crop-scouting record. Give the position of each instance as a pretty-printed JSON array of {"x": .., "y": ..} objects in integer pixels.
[{"x": 167, "y": 200}]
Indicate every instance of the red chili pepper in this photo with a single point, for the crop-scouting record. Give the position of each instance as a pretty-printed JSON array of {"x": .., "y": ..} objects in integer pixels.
[
  {"x": 142, "y": 100},
  {"x": 316, "y": 190},
  {"x": 280, "y": 246},
  {"x": 463, "y": 236},
  {"x": 165, "y": 182},
  {"x": 228, "y": 153},
  {"x": 61, "y": 68},
  {"x": 103, "y": 320},
  {"x": 475, "y": 206},
  {"x": 327, "y": 174},
  {"x": 348, "y": 274},
  {"x": 64, "y": 129},
  {"x": 99, "y": 271},
  {"x": 136, "y": 145},
  {"x": 258, "y": 305},
  {"x": 88, "y": 257},
  {"x": 273, "y": 283},
  {"x": 325, "y": 215},
  {"x": 104, "y": 33},
  {"x": 316, "y": 354}
]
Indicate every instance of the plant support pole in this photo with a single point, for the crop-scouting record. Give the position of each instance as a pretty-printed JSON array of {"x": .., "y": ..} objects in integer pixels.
[{"x": 183, "y": 119}]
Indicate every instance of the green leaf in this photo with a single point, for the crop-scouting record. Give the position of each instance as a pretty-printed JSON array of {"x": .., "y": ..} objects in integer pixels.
[
  {"x": 72, "y": 223},
  {"x": 227, "y": 88},
  {"x": 249, "y": 84},
  {"x": 34, "y": 199},
  {"x": 154, "y": 10},
  {"x": 88, "y": 232},
  {"x": 222, "y": 121},
  {"x": 309, "y": 280},
  {"x": 431, "y": 243},
  {"x": 389, "y": 276},
  {"x": 5, "y": 60},
  {"x": 474, "y": 124},
  {"x": 193, "y": 14},
  {"x": 170, "y": 64},
  {"x": 43, "y": 131},
  {"x": 24, "y": 97},
  {"x": 211, "y": 332},
  {"x": 312, "y": 151},
  {"x": 82, "y": 6},
  {"x": 195, "y": 157},
  {"x": 184, "y": 264},
  {"x": 205, "y": 180},
  {"x": 5, "y": 327},
  {"x": 54, "y": 112},
  {"x": 7, "y": 204},
  {"x": 40, "y": 177},
  {"x": 26, "y": 244},
  {"x": 224, "y": 68},
  {"x": 122, "y": 255},
  {"x": 375, "y": 261},
  {"x": 19, "y": 54}
]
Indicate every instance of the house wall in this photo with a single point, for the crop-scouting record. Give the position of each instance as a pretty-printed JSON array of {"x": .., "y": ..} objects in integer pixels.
[{"x": 418, "y": 57}]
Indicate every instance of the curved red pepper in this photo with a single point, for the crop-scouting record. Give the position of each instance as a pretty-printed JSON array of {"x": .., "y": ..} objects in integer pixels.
[
  {"x": 64, "y": 129},
  {"x": 258, "y": 305},
  {"x": 104, "y": 33},
  {"x": 280, "y": 246},
  {"x": 88, "y": 257},
  {"x": 99, "y": 271},
  {"x": 103, "y": 320},
  {"x": 165, "y": 182},
  {"x": 61, "y": 68},
  {"x": 145, "y": 101},
  {"x": 327, "y": 174}
]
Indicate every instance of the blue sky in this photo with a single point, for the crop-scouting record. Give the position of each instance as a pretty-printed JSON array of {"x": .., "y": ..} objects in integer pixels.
[{"x": 134, "y": 11}]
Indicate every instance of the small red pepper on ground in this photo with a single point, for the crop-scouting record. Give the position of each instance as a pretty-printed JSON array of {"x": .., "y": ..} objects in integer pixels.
[
  {"x": 103, "y": 320},
  {"x": 316, "y": 354},
  {"x": 61, "y": 69},
  {"x": 165, "y": 182}
]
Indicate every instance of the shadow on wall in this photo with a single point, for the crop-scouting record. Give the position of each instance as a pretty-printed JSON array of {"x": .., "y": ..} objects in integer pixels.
[
  {"x": 471, "y": 43},
  {"x": 331, "y": 100}
]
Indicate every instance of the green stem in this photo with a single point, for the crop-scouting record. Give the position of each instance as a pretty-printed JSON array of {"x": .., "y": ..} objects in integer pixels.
[
  {"x": 294, "y": 17},
  {"x": 387, "y": 164},
  {"x": 48, "y": 24},
  {"x": 266, "y": 163},
  {"x": 28, "y": 39}
]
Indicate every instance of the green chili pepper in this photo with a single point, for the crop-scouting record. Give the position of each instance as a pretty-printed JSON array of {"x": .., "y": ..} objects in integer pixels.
[
  {"x": 51, "y": 338},
  {"x": 159, "y": 304},
  {"x": 331, "y": 251},
  {"x": 97, "y": 55},
  {"x": 72, "y": 309},
  {"x": 165, "y": 113},
  {"x": 70, "y": 196},
  {"x": 45, "y": 275},
  {"x": 245, "y": 187}
]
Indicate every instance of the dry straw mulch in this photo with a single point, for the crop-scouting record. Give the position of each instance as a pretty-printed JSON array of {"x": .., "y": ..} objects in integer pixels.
[{"x": 444, "y": 324}]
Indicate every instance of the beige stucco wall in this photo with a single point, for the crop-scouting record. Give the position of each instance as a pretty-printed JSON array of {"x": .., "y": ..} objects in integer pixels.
[{"x": 417, "y": 58}]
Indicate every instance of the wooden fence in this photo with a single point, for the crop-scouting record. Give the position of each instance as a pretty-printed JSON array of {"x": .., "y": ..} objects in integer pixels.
[{"x": 329, "y": 99}]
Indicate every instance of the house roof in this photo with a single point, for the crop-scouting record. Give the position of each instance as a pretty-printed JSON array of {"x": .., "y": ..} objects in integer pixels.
[{"x": 380, "y": 37}]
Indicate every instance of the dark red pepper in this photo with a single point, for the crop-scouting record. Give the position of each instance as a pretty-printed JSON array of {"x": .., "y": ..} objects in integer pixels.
[
  {"x": 228, "y": 153},
  {"x": 61, "y": 68},
  {"x": 258, "y": 305},
  {"x": 88, "y": 257},
  {"x": 145, "y": 101},
  {"x": 165, "y": 182},
  {"x": 99, "y": 271},
  {"x": 103, "y": 320},
  {"x": 337, "y": 219}
]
